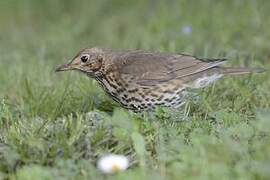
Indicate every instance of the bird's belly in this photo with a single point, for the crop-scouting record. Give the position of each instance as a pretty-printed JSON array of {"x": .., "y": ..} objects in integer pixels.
[
  {"x": 138, "y": 98},
  {"x": 145, "y": 102}
]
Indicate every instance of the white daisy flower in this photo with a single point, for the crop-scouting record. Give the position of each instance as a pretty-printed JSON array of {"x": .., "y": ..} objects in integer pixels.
[{"x": 112, "y": 163}]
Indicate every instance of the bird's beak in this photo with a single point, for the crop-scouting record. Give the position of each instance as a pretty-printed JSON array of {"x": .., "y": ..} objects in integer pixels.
[{"x": 63, "y": 67}]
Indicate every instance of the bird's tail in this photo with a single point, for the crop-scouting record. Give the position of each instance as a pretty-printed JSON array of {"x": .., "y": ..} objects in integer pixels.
[{"x": 241, "y": 70}]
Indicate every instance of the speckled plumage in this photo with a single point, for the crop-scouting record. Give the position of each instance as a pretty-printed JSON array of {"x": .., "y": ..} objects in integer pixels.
[{"x": 141, "y": 81}]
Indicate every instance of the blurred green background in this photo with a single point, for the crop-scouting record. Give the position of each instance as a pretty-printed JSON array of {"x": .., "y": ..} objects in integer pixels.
[{"x": 54, "y": 126}]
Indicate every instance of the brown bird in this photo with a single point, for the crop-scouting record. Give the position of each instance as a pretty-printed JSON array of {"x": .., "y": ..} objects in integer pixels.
[{"x": 141, "y": 80}]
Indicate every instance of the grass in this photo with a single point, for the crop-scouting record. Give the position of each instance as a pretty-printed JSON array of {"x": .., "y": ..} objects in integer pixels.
[{"x": 54, "y": 126}]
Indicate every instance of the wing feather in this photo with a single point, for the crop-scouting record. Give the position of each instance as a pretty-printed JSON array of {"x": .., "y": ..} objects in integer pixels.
[{"x": 153, "y": 68}]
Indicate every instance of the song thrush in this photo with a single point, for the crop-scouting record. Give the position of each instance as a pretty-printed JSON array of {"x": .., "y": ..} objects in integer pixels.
[{"x": 141, "y": 80}]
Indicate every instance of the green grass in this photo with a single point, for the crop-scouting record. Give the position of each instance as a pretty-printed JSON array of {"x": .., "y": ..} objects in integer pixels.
[{"x": 54, "y": 126}]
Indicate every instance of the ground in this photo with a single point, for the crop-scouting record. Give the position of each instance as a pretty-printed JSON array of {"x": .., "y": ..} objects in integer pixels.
[{"x": 55, "y": 126}]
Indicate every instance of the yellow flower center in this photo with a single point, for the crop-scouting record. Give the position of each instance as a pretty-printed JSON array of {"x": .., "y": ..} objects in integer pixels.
[{"x": 115, "y": 168}]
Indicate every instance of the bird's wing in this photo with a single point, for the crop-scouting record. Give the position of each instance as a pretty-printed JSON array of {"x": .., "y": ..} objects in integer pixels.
[{"x": 153, "y": 68}]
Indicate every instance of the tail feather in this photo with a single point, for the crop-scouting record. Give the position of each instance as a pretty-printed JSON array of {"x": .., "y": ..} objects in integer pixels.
[{"x": 237, "y": 71}]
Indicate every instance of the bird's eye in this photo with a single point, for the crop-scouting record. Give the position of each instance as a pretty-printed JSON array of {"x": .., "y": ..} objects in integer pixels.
[{"x": 85, "y": 58}]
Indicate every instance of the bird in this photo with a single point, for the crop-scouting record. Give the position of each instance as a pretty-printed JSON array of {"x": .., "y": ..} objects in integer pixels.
[{"x": 141, "y": 80}]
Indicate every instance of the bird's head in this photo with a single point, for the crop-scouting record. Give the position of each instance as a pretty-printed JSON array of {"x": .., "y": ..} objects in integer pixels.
[{"x": 88, "y": 61}]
